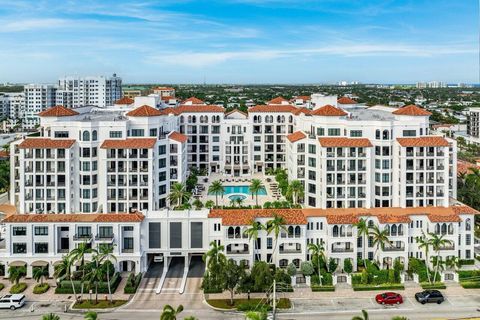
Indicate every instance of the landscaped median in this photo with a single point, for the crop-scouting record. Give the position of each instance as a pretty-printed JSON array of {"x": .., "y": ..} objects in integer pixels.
[
  {"x": 316, "y": 288},
  {"x": 101, "y": 304},
  {"x": 65, "y": 286},
  {"x": 133, "y": 281},
  {"x": 469, "y": 279},
  {"x": 245, "y": 305},
  {"x": 384, "y": 286},
  {"x": 431, "y": 286}
]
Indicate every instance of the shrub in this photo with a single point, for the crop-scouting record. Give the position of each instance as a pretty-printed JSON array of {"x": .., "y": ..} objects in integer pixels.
[
  {"x": 467, "y": 262},
  {"x": 468, "y": 274},
  {"x": 2, "y": 286},
  {"x": 347, "y": 266},
  {"x": 253, "y": 305},
  {"x": 291, "y": 269},
  {"x": 307, "y": 268},
  {"x": 65, "y": 286},
  {"x": 470, "y": 284},
  {"x": 385, "y": 286},
  {"x": 133, "y": 281},
  {"x": 435, "y": 285},
  {"x": 18, "y": 288},
  {"x": 41, "y": 288},
  {"x": 316, "y": 288}
]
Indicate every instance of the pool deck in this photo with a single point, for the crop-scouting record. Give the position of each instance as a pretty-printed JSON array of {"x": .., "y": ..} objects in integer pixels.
[{"x": 267, "y": 181}]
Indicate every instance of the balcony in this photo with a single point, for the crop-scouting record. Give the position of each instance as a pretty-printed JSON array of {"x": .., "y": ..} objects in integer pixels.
[
  {"x": 341, "y": 249},
  {"x": 238, "y": 249},
  {"x": 127, "y": 250},
  {"x": 104, "y": 238},
  {"x": 82, "y": 237},
  {"x": 447, "y": 247},
  {"x": 393, "y": 249}
]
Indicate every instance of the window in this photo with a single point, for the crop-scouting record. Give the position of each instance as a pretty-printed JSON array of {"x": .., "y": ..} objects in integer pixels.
[
  {"x": 269, "y": 243},
  {"x": 333, "y": 131},
  {"x": 86, "y": 136},
  {"x": 105, "y": 232},
  {"x": 61, "y": 134},
  {"x": 41, "y": 247},
  {"x": 128, "y": 228},
  {"x": 19, "y": 248},
  {"x": 356, "y": 133},
  {"x": 94, "y": 135},
  {"x": 19, "y": 231},
  {"x": 409, "y": 133},
  {"x": 115, "y": 134},
  {"x": 312, "y": 162},
  {"x": 216, "y": 139},
  {"x": 84, "y": 231},
  {"x": 41, "y": 231},
  {"x": 153, "y": 132},
  {"x": 127, "y": 243},
  {"x": 137, "y": 133},
  {"x": 311, "y": 148},
  {"x": 320, "y": 131}
]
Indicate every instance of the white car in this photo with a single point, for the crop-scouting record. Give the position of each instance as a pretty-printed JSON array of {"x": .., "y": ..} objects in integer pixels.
[{"x": 12, "y": 301}]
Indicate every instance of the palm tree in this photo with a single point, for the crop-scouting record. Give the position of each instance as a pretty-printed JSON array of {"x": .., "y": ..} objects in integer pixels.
[
  {"x": 380, "y": 238},
  {"x": 39, "y": 273},
  {"x": 91, "y": 315},
  {"x": 363, "y": 231},
  {"x": 78, "y": 254},
  {"x": 453, "y": 263},
  {"x": 95, "y": 275},
  {"x": 64, "y": 270},
  {"x": 364, "y": 316},
  {"x": 437, "y": 242},
  {"x": 209, "y": 204},
  {"x": 255, "y": 187},
  {"x": 214, "y": 255},
  {"x": 216, "y": 188},
  {"x": 178, "y": 194},
  {"x": 275, "y": 225},
  {"x": 239, "y": 201},
  {"x": 295, "y": 190},
  {"x": 16, "y": 273},
  {"x": 252, "y": 233},
  {"x": 169, "y": 313},
  {"x": 106, "y": 253},
  {"x": 197, "y": 204},
  {"x": 50, "y": 316},
  {"x": 319, "y": 251},
  {"x": 424, "y": 244}
]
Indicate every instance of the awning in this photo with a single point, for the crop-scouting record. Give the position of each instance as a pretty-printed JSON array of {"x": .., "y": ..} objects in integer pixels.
[{"x": 39, "y": 263}]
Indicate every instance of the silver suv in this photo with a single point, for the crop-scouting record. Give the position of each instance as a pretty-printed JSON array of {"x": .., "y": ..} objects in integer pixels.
[{"x": 12, "y": 301}]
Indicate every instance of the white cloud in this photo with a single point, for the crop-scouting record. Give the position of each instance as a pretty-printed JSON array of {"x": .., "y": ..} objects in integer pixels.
[{"x": 32, "y": 24}]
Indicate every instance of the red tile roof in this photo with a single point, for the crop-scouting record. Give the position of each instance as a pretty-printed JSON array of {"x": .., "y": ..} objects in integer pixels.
[
  {"x": 302, "y": 110},
  {"x": 328, "y": 111},
  {"x": 125, "y": 100},
  {"x": 427, "y": 141},
  {"x": 194, "y": 108},
  {"x": 145, "y": 111},
  {"x": 194, "y": 100},
  {"x": 304, "y": 98},
  {"x": 412, "y": 110},
  {"x": 346, "y": 100},
  {"x": 464, "y": 167},
  {"x": 277, "y": 100},
  {"x": 235, "y": 110},
  {"x": 58, "y": 111},
  {"x": 344, "y": 142},
  {"x": 164, "y": 88},
  {"x": 84, "y": 217},
  {"x": 46, "y": 143},
  {"x": 177, "y": 136},
  {"x": 129, "y": 143},
  {"x": 296, "y": 136},
  {"x": 245, "y": 217},
  {"x": 4, "y": 154},
  {"x": 273, "y": 108},
  {"x": 167, "y": 98}
]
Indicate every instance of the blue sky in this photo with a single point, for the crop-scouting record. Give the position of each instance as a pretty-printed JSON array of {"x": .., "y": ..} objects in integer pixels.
[{"x": 240, "y": 41}]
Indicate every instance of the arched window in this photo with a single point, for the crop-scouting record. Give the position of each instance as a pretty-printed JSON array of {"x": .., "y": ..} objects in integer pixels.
[
  {"x": 290, "y": 231},
  {"x": 450, "y": 228},
  {"x": 259, "y": 119},
  {"x": 283, "y": 119},
  {"x": 86, "y": 136},
  {"x": 335, "y": 231},
  {"x": 370, "y": 223},
  {"x": 377, "y": 134},
  {"x": 189, "y": 119},
  {"x": 254, "y": 119},
  {"x": 444, "y": 228},
  {"x": 468, "y": 224},
  {"x": 394, "y": 230},
  {"x": 290, "y": 119},
  {"x": 297, "y": 232},
  {"x": 296, "y": 262},
  {"x": 387, "y": 229},
  {"x": 94, "y": 135},
  {"x": 182, "y": 119},
  {"x": 342, "y": 231},
  {"x": 349, "y": 231},
  {"x": 400, "y": 230},
  {"x": 194, "y": 119},
  {"x": 437, "y": 228},
  {"x": 231, "y": 232},
  {"x": 385, "y": 135},
  {"x": 237, "y": 232},
  {"x": 279, "y": 119}
]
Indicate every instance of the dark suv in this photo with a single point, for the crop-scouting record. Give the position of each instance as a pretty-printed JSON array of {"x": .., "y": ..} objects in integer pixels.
[{"x": 429, "y": 296}]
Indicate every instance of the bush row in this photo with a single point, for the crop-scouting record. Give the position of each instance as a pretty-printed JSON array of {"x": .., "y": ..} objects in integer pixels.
[
  {"x": 41, "y": 288},
  {"x": 133, "y": 281},
  {"x": 468, "y": 274},
  {"x": 65, "y": 286},
  {"x": 435, "y": 285},
  {"x": 385, "y": 286},
  {"x": 470, "y": 284},
  {"x": 467, "y": 262},
  {"x": 18, "y": 288},
  {"x": 323, "y": 288}
]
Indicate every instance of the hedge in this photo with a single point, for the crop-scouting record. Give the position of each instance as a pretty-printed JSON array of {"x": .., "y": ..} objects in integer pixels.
[
  {"x": 468, "y": 274},
  {"x": 18, "y": 288},
  {"x": 466, "y": 262},
  {"x": 65, "y": 286},
  {"x": 385, "y": 286},
  {"x": 435, "y": 285},
  {"x": 323, "y": 288},
  {"x": 132, "y": 279},
  {"x": 470, "y": 284},
  {"x": 41, "y": 288}
]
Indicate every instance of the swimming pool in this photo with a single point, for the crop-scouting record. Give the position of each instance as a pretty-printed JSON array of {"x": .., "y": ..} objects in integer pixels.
[
  {"x": 241, "y": 189},
  {"x": 237, "y": 196}
]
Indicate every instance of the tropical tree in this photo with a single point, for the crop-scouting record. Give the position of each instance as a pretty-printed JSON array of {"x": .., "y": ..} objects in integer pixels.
[
  {"x": 275, "y": 226},
  {"x": 169, "y": 313},
  {"x": 379, "y": 238},
  {"x": 232, "y": 272},
  {"x": 78, "y": 255},
  {"x": 363, "y": 231},
  {"x": 252, "y": 233},
  {"x": 255, "y": 187},
  {"x": 424, "y": 244},
  {"x": 91, "y": 315},
  {"x": 453, "y": 263},
  {"x": 50, "y": 316},
  {"x": 39, "y": 273},
  {"x": 63, "y": 270},
  {"x": 197, "y": 204},
  {"x": 364, "y": 316},
  {"x": 95, "y": 275},
  {"x": 318, "y": 252},
  {"x": 295, "y": 190},
  {"x": 178, "y": 194},
  {"x": 209, "y": 204},
  {"x": 437, "y": 242},
  {"x": 15, "y": 273},
  {"x": 255, "y": 315},
  {"x": 216, "y": 188},
  {"x": 214, "y": 255},
  {"x": 106, "y": 253},
  {"x": 239, "y": 201}
]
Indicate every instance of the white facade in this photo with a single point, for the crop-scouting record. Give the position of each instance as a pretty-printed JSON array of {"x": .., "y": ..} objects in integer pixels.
[{"x": 38, "y": 97}]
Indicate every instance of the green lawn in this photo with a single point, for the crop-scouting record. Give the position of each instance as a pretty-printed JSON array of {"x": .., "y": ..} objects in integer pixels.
[
  {"x": 283, "y": 303},
  {"x": 102, "y": 304}
]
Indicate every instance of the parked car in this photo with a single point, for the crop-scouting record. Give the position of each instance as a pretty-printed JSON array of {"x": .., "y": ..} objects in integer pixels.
[
  {"x": 389, "y": 298},
  {"x": 429, "y": 296},
  {"x": 12, "y": 301}
]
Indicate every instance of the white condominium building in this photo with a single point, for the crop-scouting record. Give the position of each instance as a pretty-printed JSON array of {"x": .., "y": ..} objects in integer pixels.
[
  {"x": 75, "y": 92},
  {"x": 38, "y": 97}
]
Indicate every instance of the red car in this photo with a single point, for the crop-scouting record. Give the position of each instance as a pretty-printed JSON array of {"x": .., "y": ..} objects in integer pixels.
[{"x": 389, "y": 298}]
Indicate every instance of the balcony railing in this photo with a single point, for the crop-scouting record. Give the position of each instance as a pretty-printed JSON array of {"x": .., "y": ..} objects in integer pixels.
[
  {"x": 104, "y": 237},
  {"x": 82, "y": 237},
  {"x": 390, "y": 249},
  {"x": 342, "y": 249}
]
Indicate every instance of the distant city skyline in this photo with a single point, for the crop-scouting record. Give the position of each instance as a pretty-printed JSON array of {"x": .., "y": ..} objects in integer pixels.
[{"x": 241, "y": 41}]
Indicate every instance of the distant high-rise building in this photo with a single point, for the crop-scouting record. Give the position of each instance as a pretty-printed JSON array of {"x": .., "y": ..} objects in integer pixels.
[{"x": 38, "y": 97}]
